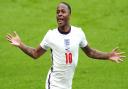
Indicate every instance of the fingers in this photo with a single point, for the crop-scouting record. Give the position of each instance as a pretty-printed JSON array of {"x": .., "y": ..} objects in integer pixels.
[
  {"x": 12, "y": 34},
  {"x": 117, "y": 61},
  {"x": 115, "y": 49},
  {"x": 120, "y": 53},
  {"x": 122, "y": 56},
  {"x": 15, "y": 34},
  {"x": 9, "y": 37},
  {"x": 120, "y": 60}
]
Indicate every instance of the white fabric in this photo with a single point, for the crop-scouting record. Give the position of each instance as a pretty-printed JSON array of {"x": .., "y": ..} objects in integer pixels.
[{"x": 61, "y": 75}]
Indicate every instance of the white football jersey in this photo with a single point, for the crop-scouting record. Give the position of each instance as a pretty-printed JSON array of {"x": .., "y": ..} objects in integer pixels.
[{"x": 64, "y": 51}]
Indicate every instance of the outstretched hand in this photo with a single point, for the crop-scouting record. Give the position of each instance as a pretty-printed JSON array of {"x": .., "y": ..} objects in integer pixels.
[
  {"x": 14, "y": 39},
  {"x": 116, "y": 56}
]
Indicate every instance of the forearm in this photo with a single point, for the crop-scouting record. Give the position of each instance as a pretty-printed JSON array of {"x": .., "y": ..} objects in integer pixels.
[
  {"x": 28, "y": 50},
  {"x": 99, "y": 55},
  {"x": 90, "y": 52}
]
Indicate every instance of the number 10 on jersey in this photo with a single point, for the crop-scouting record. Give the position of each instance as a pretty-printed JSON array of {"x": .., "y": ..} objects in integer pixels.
[{"x": 68, "y": 57}]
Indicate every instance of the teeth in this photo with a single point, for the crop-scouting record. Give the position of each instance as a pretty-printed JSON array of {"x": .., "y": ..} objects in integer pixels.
[{"x": 60, "y": 20}]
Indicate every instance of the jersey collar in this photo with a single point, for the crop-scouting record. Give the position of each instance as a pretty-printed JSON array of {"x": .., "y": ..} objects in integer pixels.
[{"x": 65, "y": 33}]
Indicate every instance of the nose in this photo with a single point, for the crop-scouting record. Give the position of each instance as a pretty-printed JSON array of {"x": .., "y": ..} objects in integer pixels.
[{"x": 60, "y": 14}]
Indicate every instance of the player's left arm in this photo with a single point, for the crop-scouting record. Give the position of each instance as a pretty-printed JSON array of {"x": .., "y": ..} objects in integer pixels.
[{"x": 114, "y": 55}]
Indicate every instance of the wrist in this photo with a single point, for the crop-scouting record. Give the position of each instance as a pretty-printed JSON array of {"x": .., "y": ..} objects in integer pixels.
[
  {"x": 21, "y": 44},
  {"x": 109, "y": 55}
]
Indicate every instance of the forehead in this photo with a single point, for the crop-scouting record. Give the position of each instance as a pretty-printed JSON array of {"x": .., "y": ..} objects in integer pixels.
[{"x": 62, "y": 6}]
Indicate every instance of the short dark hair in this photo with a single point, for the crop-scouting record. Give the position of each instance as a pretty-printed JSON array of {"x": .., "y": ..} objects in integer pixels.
[{"x": 69, "y": 7}]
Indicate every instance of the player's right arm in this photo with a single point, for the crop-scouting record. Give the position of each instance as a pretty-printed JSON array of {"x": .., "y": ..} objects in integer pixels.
[{"x": 15, "y": 40}]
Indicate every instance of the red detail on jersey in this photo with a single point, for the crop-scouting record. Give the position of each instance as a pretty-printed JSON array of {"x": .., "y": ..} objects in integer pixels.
[{"x": 68, "y": 57}]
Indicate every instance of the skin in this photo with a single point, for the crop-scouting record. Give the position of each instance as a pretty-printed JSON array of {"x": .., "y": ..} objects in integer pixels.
[{"x": 63, "y": 18}]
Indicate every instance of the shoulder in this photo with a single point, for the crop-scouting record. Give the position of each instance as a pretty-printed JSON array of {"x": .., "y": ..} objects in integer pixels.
[
  {"x": 77, "y": 30},
  {"x": 51, "y": 32}
]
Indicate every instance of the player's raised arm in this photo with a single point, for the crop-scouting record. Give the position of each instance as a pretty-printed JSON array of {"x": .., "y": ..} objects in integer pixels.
[
  {"x": 114, "y": 55},
  {"x": 15, "y": 40}
]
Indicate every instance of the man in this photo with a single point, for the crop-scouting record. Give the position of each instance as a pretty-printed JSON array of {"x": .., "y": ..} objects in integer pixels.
[{"x": 64, "y": 43}]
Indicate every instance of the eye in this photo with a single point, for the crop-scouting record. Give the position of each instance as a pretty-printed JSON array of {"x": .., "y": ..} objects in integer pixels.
[
  {"x": 63, "y": 11},
  {"x": 57, "y": 11}
]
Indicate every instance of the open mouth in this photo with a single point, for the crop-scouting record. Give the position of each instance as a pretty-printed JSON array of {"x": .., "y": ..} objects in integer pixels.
[{"x": 60, "y": 20}]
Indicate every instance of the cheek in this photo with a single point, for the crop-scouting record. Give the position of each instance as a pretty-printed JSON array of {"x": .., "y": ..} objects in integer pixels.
[
  {"x": 66, "y": 17},
  {"x": 56, "y": 15}
]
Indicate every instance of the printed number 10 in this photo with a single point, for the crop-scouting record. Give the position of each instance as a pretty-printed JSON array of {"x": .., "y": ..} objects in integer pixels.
[{"x": 68, "y": 58}]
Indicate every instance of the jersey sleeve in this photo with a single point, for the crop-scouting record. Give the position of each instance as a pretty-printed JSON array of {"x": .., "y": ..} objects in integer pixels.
[
  {"x": 83, "y": 42},
  {"x": 45, "y": 42}
]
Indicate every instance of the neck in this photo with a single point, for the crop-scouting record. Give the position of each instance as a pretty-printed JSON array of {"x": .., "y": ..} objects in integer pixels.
[{"x": 65, "y": 29}]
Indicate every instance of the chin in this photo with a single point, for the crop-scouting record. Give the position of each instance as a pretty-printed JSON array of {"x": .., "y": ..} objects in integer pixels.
[{"x": 61, "y": 25}]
